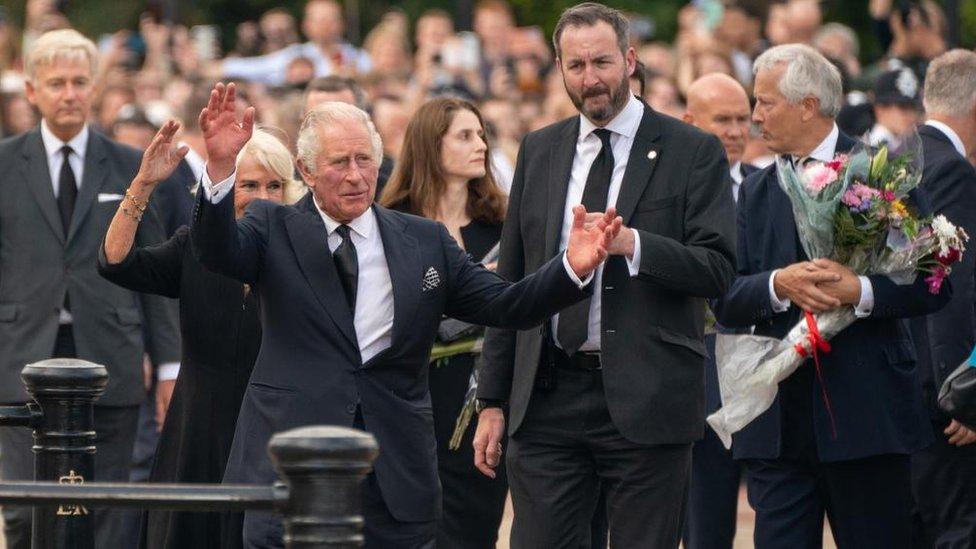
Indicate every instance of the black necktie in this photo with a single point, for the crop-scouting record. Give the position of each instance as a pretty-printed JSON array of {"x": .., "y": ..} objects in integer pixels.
[
  {"x": 347, "y": 265},
  {"x": 573, "y": 320},
  {"x": 67, "y": 190}
]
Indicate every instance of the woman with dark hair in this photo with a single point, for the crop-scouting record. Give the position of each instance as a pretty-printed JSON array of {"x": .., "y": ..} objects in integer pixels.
[{"x": 443, "y": 173}]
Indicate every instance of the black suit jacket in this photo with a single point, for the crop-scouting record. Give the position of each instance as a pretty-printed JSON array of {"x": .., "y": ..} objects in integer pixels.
[
  {"x": 945, "y": 338},
  {"x": 40, "y": 264},
  {"x": 652, "y": 324},
  {"x": 309, "y": 370},
  {"x": 869, "y": 373}
]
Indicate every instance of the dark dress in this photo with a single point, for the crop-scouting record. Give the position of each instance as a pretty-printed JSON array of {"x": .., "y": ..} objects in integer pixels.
[
  {"x": 472, "y": 503},
  {"x": 221, "y": 338}
]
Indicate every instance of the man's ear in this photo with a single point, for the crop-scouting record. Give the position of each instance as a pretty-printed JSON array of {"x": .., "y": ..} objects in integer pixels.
[
  {"x": 306, "y": 174},
  {"x": 811, "y": 106},
  {"x": 29, "y": 92}
]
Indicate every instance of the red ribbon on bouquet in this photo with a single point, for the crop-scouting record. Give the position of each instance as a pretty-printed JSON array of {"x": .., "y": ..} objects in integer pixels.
[{"x": 817, "y": 345}]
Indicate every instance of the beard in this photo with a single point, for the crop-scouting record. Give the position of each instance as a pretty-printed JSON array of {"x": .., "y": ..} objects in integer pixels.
[{"x": 603, "y": 113}]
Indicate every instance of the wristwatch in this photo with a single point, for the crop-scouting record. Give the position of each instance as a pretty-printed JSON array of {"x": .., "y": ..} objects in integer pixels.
[{"x": 482, "y": 403}]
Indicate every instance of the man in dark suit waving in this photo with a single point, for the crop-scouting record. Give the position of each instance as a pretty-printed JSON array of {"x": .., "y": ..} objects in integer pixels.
[
  {"x": 610, "y": 392},
  {"x": 944, "y": 473},
  {"x": 351, "y": 296},
  {"x": 60, "y": 186},
  {"x": 797, "y": 467}
]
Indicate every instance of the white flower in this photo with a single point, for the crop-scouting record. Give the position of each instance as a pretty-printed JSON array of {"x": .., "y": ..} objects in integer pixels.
[{"x": 949, "y": 235}]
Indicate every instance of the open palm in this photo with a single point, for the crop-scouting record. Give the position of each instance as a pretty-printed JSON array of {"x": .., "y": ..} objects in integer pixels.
[
  {"x": 223, "y": 135},
  {"x": 162, "y": 156},
  {"x": 588, "y": 241}
]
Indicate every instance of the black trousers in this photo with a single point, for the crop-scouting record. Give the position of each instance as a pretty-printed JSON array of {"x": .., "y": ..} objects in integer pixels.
[
  {"x": 867, "y": 501},
  {"x": 713, "y": 498},
  {"x": 944, "y": 490},
  {"x": 115, "y": 428},
  {"x": 567, "y": 449}
]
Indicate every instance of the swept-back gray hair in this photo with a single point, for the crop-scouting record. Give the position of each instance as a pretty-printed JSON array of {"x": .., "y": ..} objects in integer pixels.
[
  {"x": 66, "y": 44},
  {"x": 808, "y": 74},
  {"x": 332, "y": 112},
  {"x": 950, "y": 84}
]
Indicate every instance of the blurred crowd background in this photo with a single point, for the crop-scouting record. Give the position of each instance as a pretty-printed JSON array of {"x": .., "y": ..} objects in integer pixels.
[{"x": 160, "y": 58}]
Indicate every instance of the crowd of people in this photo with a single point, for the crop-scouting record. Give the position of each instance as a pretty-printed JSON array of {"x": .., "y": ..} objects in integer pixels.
[{"x": 604, "y": 202}]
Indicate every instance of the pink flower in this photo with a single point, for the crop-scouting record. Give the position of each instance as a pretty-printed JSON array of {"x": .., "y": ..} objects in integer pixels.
[
  {"x": 859, "y": 196},
  {"x": 935, "y": 279},
  {"x": 818, "y": 176},
  {"x": 889, "y": 196}
]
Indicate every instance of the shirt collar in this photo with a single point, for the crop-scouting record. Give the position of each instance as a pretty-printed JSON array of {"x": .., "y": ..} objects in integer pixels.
[
  {"x": 950, "y": 133},
  {"x": 736, "y": 172},
  {"x": 362, "y": 225},
  {"x": 827, "y": 148},
  {"x": 53, "y": 145},
  {"x": 625, "y": 123}
]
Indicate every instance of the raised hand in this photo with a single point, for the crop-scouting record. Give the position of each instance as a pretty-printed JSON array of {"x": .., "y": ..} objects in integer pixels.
[
  {"x": 588, "y": 242},
  {"x": 162, "y": 156},
  {"x": 223, "y": 134}
]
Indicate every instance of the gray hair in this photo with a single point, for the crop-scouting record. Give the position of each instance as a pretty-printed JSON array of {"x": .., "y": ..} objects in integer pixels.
[
  {"x": 588, "y": 14},
  {"x": 64, "y": 44},
  {"x": 846, "y": 33},
  {"x": 332, "y": 112},
  {"x": 808, "y": 74},
  {"x": 950, "y": 84}
]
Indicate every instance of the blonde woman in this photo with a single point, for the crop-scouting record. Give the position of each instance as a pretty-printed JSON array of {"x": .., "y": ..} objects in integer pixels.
[{"x": 220, "y": 330}]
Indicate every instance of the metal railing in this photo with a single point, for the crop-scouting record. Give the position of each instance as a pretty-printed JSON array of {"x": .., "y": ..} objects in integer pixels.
[{"x": 320, "y": 470}]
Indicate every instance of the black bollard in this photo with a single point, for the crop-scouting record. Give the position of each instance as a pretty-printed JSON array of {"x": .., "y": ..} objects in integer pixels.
[
  {"x": 65, "y": 390},
  {"x": 323, "y": 468}
]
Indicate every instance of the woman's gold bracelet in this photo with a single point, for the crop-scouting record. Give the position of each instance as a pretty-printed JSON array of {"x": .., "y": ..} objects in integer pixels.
[
  {"x": 135, "y": 202},
  {"x": 134, "y": 215}
]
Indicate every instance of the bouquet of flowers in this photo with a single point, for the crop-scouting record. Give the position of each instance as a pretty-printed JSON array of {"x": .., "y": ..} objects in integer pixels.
[{"x": 856, "y": 211}]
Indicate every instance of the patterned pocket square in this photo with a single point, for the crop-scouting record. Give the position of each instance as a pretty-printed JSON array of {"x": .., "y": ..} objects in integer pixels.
[{"x": 431, "y": 279}]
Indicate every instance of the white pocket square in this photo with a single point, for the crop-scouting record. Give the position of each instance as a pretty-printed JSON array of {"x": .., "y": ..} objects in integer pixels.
[
  {"x": 109, "y": 197},
  {"x": 431, "y": 279}
]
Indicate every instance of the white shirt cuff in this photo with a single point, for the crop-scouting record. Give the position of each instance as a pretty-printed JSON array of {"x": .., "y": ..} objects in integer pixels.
[
  {"x": 572, "y": 275},
  {"x": 779, "y": 305},
  {"x": 216, "y": 192},
  {"x": 866, "y": 305},
  {"x": 633, "y": 263},
  {"x": 168, "y": 371}
]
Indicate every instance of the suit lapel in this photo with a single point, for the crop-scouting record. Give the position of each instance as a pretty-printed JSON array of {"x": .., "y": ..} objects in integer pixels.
[
  {"x": 406, "y": 270},
  {"x": 309, "y": 239},
  {"x": 782, "y": 238},
  {"x": 640, "y": 165},
  {"x": 560, "y": 169},
  {"x": 94, "y": 175},
  {"x": 38, "y": 178}
]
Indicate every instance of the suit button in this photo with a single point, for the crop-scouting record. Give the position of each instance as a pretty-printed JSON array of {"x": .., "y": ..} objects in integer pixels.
[{"x": 350, "y": 409}]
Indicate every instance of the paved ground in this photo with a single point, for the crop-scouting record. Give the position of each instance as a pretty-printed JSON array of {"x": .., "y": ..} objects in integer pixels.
[{"x": 743, "y": 538}]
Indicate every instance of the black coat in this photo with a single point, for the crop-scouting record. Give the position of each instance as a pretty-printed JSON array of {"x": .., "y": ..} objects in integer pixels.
[
  {"x": 221, "y": 338},
  {"x": 945, "y": 338},
  {"x": 310, "y": 370},
  {"x": 675, "y": 193}
]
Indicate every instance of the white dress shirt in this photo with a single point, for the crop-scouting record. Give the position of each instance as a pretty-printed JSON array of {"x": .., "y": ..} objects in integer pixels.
[
  {"x": 55, "y": 158},
  {"x": 623, "y": 128},
  {"x": 825, "y": 153},
  {"x": 950, "y": 133},
  {"x": 373, "y": 319},
  {"x": 736, "y": 172}
]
